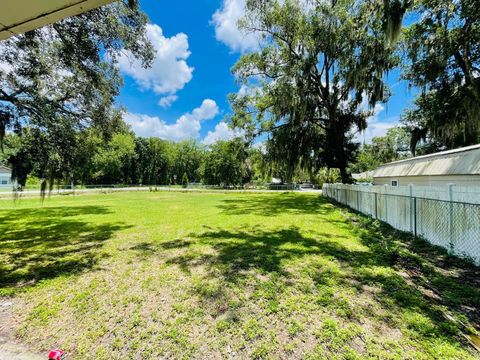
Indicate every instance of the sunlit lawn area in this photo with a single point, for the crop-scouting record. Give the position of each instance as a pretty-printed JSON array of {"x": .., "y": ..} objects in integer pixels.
[{"x": 153, "y": 275}]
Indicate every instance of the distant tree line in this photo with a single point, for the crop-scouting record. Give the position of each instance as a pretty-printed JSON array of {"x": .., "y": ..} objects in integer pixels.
[
  {"x": 395, "y": 145},
  {"x": 88, "y": 157},
  {"x": 124, "y": 158}
]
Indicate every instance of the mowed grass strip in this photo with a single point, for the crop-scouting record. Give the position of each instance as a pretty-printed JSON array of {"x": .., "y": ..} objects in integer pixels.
[{"x": 214, "y": 275}]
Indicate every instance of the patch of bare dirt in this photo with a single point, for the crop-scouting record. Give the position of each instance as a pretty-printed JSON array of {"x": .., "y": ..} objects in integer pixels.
[{"x": 10, "y": 349}]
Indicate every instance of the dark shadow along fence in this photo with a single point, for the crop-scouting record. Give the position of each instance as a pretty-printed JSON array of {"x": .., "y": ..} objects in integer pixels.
[{"x": 453, "y": 225}]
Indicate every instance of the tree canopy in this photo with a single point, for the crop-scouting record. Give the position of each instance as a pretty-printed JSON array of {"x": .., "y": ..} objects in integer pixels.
[
  {"x": 225, "y": 163},
  {"x": 395, "y": 145},
  {"x": 443, "y": 60},
  {"x": 320, "y": 71},
  {"x": 62, "y": 79}
]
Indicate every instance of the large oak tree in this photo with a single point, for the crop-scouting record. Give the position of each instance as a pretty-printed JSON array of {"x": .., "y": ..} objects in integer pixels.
[{"x": 321, "y": 66}]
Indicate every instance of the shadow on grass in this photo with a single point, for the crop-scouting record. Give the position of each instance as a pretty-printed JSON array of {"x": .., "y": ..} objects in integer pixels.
[
  {"x": 43, "y": 243},
  {"x": 444, "y": 279},
  {"x": 239, "y": 251},
  {"x": 268, "y": 205},
  {"x": 388, "y": 255}
]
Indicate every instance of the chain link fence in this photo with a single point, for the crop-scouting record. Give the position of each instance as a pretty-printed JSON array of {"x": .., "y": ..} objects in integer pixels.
[{"x": 453, "y": 225}]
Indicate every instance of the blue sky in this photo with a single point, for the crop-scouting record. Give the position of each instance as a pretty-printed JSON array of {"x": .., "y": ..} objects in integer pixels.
[{"x": 184, "y": 94}]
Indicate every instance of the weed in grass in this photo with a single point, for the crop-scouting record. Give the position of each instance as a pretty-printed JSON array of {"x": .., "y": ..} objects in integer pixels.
[
  {"x": 419, "y": 324},
  {"x": 325, "y": 295},
  {"x": 264, "y": 350},
  {"x": 295, "y": 328},
  {"x": 223, "y": 325},
  {"x": 253, "y": 329},
  {"x": 43, "y": 313}
]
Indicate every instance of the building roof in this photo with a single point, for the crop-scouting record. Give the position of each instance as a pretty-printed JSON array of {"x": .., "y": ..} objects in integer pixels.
[
  {"x": 5, "y": 169},
  {"x": 19, "y": 16},
  {"x": 463, "y": 161},
  {"x": 363, "y": 175}
]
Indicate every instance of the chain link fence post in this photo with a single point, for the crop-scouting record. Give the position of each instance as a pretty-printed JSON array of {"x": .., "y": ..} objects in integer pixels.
[
  {"x": 358, "y": 200},
  {"x": 385, "y": 187},
  {"x": 415, "y": 218},
  {"x": 450, "y": 217},
  {"x": 410, "y": 191}
]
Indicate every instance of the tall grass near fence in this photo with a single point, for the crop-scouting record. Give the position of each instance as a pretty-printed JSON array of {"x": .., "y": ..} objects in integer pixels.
[{"x": 447, "y": 216}]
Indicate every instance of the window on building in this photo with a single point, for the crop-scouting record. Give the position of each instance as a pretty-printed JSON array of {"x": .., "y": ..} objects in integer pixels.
[
  {"x": 4, "y": 180},
  {"x": 394, "y": 182}
]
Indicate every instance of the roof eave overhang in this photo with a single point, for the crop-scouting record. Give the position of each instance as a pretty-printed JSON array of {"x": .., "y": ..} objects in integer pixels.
[{"x": 46, "y": 15}]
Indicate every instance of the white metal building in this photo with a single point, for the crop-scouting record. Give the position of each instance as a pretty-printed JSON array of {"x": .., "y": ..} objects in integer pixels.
[
  {"x": 458, "y": 166},
  {"x": 363, "y": 175},
  {"x": 5, "y": 177}
]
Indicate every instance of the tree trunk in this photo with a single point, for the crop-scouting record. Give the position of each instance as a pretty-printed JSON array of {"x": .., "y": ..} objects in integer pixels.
[
  {"x": 345, "y": 175},
  {"x": 336, "y": 156}
]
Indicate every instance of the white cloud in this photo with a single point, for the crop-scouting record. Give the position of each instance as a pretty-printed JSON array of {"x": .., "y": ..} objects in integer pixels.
[
  {"x": 187, "y": 126},
  {"x": 261, "y": 145},
  {"x": 249, "y": 90},
  {"x": 222, "y": 132},
  {"x": 208, "y": 110},
  {"x": 169, "y": 71},
  {"x": 375, "y": 129},
  {"x": 243, "y": 91},
  {"x": 375, "y": 126},
  {"x": 225, "y": 21},
  {"x": 167, "y": 101},
  {"x": 377, "y": 109}
]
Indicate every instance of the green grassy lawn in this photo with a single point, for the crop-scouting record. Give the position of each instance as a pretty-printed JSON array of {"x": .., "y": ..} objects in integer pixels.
[{"x": 153, "y": 275}]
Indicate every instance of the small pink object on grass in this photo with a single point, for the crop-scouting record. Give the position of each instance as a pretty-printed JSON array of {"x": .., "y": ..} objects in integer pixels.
[{"x": 56, "y": 354}]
